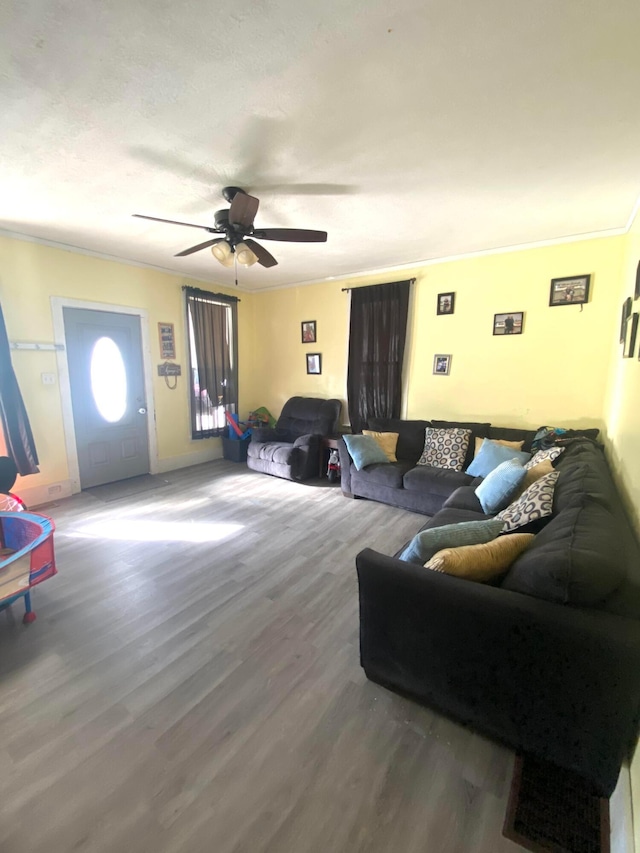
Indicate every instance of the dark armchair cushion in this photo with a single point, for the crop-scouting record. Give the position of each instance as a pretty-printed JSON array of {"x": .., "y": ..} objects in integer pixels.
[{"x": 309, "y": 415}]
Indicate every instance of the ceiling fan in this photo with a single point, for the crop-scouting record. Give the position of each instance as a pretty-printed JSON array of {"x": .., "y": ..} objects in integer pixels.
[{"x": 236, "y": 224}]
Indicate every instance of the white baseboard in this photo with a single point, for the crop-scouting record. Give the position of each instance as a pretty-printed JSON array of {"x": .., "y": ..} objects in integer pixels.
[
  {"x": 38, "y": 495},
  {"x": 197, "y": 457}
]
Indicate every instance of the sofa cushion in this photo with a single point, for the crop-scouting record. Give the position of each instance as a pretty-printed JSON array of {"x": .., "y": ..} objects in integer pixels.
[
  {"x": 481, "y": 562},
  {"x": 439, "y": 481},
  {"x": 387, "y": 474},
  {"x": 491, "y": 455},
  {"x": 427, "y": 542},
  {"x": 271, "y": 451},
  {"x": 583, "y": 479},
  {"x": 477, "y": 429},
  {"x": 445, "y": 448},
  {"x": 495, "y": 491},
  {"x": 576, "y": 559},
  {"x": 388, "y": 441},
  {"x": 464, "y": 497},
  {"x": 534, "y": 504},
  {"x": 410, "y": 435},
  {"x": 364, "y": 450}
]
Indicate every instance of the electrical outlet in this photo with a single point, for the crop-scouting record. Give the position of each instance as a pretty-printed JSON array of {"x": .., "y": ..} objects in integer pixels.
[
  {"x": 55, "y": 490},
  {"x": 48, "y": 378}
]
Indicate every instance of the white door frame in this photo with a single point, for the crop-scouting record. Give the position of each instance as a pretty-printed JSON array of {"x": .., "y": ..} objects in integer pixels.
[{"x": 59, "y": 337}]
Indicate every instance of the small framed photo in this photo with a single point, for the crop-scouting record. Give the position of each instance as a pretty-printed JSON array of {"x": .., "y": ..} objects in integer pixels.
[
  {"x": 632, "y": 334},
  {"x": 167, "y": 340},
  {"x": 441, "y": 364},
  {"x": 314, "y": 363},
  {"x": 570, "y": 291},
  {"x": 636, "y": 292},
  {"x": 626, "y": 313},
  {"x": 446, "y": 303},
  {"x": 308, "y": 331},
  {"x": 508, "y": 324}
]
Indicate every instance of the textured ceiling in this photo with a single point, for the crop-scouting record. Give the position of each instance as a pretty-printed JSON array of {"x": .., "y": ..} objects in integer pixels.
[{"x": 407, "y": 130}]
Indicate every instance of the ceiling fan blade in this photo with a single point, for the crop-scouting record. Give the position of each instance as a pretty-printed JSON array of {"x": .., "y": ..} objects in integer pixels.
[
  {"x": 197, "y": 248},
  {"x": 292, "y": 235},
  {"x": 173, "y": 222},
  {"x": 243, "y": 210},
  {"x": 265, "y": 258}
]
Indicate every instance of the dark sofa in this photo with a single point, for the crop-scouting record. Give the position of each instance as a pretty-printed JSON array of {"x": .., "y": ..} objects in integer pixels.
[
  {"x": 419, "y": 488},
  {"x": 292, "y": 448},
  {"x": 547, "y": 658}
]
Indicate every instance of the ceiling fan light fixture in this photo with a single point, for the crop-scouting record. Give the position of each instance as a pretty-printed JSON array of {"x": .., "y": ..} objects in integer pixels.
[
  {"x": 245, "y": 256},
  {"x": 222, "y": 252}
]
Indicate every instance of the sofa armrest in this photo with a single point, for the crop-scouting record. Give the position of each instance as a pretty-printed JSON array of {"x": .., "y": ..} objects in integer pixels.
[
  {"x": 561, "y": 682},
  {"x": 345, "y": 467},
  {"x": 311, "y": 440}
]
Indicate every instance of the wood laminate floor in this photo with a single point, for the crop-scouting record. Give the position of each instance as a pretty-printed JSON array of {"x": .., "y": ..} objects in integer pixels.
[{"x": 192, "y": 684}]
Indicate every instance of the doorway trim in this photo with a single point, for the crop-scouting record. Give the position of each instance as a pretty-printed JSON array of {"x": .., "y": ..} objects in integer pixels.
[{"x": 59, "y": 337}]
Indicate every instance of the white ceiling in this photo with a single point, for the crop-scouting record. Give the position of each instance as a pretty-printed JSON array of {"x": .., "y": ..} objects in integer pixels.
[{"x": 407, "y": 130}]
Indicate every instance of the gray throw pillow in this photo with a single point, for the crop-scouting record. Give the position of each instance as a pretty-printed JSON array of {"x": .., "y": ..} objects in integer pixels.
[{"x": 424, "y": 544}]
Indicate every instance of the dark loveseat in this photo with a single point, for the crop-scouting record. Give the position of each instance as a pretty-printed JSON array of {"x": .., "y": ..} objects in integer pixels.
[
  {"x": 547, "y": 658},
  {"x": 292, "y": 448}
]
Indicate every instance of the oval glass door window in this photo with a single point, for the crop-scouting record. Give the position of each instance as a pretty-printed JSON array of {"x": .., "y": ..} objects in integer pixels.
[{"x": 109, "y": 380}]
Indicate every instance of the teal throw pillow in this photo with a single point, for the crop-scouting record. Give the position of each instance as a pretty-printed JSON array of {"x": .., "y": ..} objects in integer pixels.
[
  {"x": 496, "y": 490},
  {"x": 426, "y": 543},
  {"x": 491, "y": 455},
  {"x": 364, "y": 450}
]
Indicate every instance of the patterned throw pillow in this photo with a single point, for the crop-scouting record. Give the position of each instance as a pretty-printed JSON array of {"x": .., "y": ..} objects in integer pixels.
[
  {"x": 542, "y": 455},
  {"x": 481, "y": 562},
  {"x": 445, "y": 448},
  {"x": 534, "y": 503},
  {"x": 388, "y": 441}
]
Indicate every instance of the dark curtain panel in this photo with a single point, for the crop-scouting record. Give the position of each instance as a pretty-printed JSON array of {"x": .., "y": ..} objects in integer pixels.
[
  {"x": 377, "y": 333},
  {"x": 13, "y": 415},
  {"x": 212, "y": 320}
]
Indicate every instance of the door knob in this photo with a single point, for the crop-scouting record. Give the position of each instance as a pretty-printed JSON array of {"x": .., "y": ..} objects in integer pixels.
[{"x": 142, "y": 411}]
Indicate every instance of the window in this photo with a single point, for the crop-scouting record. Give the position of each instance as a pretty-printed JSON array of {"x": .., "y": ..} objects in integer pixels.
[{"x": 213, "y": 357}]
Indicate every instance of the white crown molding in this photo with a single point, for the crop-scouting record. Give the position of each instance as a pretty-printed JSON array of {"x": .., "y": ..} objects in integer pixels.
[
  {"x": 414, "y": 266},
  {"x": 78, "y": 250},
  {"x": 408, "y": 267}
]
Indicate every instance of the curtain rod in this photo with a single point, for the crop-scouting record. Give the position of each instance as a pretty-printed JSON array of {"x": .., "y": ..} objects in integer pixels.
[
  {"x": 210, "y": 293},
  {"x": 346, "y": 289}
]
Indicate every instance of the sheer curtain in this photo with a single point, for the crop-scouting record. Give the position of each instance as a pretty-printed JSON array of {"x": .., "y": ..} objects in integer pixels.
[
  {"x": 213, "y": 351},
  {"x": 13, "y": 415},
  {"x": 377, "y": 332}
]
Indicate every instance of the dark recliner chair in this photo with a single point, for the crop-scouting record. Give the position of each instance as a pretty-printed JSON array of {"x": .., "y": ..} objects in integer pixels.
[{"x": 292, "y": 449}]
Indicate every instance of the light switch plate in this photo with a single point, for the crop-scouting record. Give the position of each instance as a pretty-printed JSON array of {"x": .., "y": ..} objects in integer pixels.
[{"x": 48, "y": 378}]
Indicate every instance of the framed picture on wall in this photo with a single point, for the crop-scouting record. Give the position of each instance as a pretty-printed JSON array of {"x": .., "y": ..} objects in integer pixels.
[
  {"x": 626, "y": 313},
  {"x": 636, "y": 292},
  {"x": 632, "y": 334},
  {"x": 570, "y": 291},
  {"x": 441, "y": 364},
  {"x": 446, "y": 303},
  {"x": 308, "y": 331},
  {"x": 314, "y": 363},
  {"x": 510, "y": 323},
  {"x": 167, "y": 340}
]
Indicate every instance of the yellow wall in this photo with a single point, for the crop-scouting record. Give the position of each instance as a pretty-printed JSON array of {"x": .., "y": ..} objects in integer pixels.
[
  {"x": 30, "y": 274},
  {"x": 556, "y": 372}
]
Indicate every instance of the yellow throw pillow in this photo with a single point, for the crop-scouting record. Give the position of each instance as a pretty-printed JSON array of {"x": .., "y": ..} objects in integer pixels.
[
  {"x": 532, "y": 475},
  {"x": 481, "y": 562},
  {"x": 514, "y": 445},
  {"x": 388, "y": 441}
]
